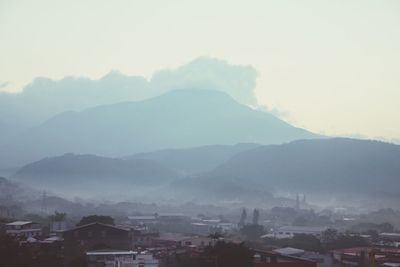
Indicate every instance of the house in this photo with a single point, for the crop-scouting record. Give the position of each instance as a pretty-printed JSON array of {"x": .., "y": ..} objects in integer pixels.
[
  {"x": 120, "y": 258},
  {"x": 95, "y": 236},
  {"x": 23, "y": 229},
  {"x": 98, "y": 234}
]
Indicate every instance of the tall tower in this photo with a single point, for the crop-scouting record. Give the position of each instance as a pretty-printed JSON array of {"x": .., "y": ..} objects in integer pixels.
[{"x": 297, "y": 202}]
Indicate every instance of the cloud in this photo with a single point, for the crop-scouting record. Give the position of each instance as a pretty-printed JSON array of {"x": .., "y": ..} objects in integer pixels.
[
  {"x": 44, "y": 97},
  {"x": 210, "y": 73},
  {"x": 284, "y": 115},
  {"x": 4, "y": 85}
]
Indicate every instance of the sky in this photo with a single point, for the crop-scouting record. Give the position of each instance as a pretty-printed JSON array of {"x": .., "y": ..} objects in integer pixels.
[{"x": 332, "y": 67}]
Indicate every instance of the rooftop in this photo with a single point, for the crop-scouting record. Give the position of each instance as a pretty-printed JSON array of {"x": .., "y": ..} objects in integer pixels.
[
  {"x": 289, "y": 251},
  {"x": 94, "y": 223},
  {"x": 303, "y": 228},
  {"x": 110, "y": 252},
  {"x": 19, "y": 223},
  {"x": 142, "y": 217}
]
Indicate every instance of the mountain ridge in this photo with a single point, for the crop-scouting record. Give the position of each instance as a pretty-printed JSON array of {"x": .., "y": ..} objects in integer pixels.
[
  {"x": 318, "y": 164},
  {"x": 177, "y": 119}
]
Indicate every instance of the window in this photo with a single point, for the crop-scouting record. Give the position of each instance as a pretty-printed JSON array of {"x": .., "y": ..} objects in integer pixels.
[{"x": 90, "y": 233}]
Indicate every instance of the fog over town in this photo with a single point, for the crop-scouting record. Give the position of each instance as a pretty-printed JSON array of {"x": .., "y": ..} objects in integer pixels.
[{"x": 126, "y": 139}]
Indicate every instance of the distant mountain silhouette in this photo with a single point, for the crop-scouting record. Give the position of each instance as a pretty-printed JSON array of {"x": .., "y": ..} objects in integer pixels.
[
  {"x": 7, "y": 131},
  {"x": 44, "y": 98},
  {"x": 178, "y": 119},
  {"x": 12, "y": 193},
  {"x": 194, "y": 160},
  {"x": 74, "y": 172},
  {"x": 336, "y": 167},
  {"x": 322, "y": 165}
]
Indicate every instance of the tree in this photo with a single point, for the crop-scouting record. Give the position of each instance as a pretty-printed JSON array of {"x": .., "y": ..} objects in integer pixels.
[
  {"x": 256, "y": 216},
  {"x": 228, "y": 255},
  {"x": 58, "y": 216},
  {"x": 96, "y": 218},
  {"x": 215, "y": 237},
  {"x": 329, "y": 235},
  {"x": 252, "y": 231}
]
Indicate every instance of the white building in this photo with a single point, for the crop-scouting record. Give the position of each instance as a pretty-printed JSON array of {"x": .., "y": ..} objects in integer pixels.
[
  {"x": 116, "y": 258},
  {"x": 290, "y": 231},
  {"x": 23, "y": 229}
]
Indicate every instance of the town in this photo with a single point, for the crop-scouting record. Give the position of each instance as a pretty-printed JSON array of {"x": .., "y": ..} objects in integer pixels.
[
  {"x": 281, "y": 236},
  {"x": 212, "y": 133}
]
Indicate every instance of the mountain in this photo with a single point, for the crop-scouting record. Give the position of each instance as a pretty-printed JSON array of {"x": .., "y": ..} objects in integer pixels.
[
  {"x": 194, "y": 160},
  {"x": 7, "y": 131},
  {"x": 73, "y": 173},
  {"x": 44, "y": 98},
  {"x": 178, "y": 119},
  {"x": 12, "y": 193},
  {"x": 318, "y": 166}
]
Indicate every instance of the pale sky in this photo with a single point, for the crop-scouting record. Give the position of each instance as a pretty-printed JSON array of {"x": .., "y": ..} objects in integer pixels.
[{"x": 332, "y": 66}]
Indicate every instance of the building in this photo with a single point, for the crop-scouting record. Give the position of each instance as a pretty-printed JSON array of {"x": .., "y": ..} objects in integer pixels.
[
  {"x": 199, "y": 228},
  {"x": 171, "y": 240},
  {"x": 44, "y": 252},
  {"x": 390, "y": 236},
  {"x": 58, "y": 226},
  {"x": 288, "y": 251},
  {"x": 142, "y": 219},
  {"x": 143, "y": 237},
  {"x": 98, "y": 234},
  {"x": 320, "y": 259},
  {"x": 273, "y": 259},
  {"x": 379, "y": 256},
  {"x": 23, "y": 229},
  {"x": 172, "y": 217},
  {"x": 226, "y": 227},
  {"x": 119, "y": 258},
  {"x": 290, "y": 231},
  {"x": 95, "y": 236}
]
